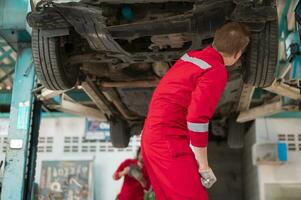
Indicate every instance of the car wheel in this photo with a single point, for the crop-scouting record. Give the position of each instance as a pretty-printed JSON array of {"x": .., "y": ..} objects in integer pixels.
[
  {"x": 261, "y": 60},
  {"x": 119, "y": 132},
  {"x": 50, "y": 58}
]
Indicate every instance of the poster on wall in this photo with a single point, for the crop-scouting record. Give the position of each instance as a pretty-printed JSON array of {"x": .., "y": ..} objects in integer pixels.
[
  {"x": 66, "y": 180},
  {"x": 97, "y": 130}
]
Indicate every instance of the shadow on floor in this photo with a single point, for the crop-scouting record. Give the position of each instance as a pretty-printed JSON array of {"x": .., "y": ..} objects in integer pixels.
[{"x": 227, "y": 166}]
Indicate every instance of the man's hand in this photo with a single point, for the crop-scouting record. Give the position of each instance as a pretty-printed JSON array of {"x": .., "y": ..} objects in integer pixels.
[
  {"x": 118, "y": 175},
  {"x": 124, "y": 172},
  {"x": 207, "y": 177},
  {"x": 140, "y": 164},
  {"x": 135, "y": 172},
  {"x": 143, "y": 182}
]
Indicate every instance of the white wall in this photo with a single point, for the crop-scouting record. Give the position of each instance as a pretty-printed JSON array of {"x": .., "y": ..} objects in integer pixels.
[
  {"x": 269, "y": 130},
  {"x": 53, "y": 133}
]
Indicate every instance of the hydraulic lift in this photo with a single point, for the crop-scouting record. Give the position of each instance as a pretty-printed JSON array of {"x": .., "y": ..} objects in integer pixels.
[
  {"x": 287, "y": 84},
  {"x": 19, "y": 169}
]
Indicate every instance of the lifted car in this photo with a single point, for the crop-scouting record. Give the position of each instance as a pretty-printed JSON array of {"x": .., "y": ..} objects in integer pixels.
[{"x": 118, "y": 51}]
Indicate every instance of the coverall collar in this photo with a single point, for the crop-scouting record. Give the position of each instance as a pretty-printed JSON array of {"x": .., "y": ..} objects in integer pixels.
[{"x": 212, "y": 51}]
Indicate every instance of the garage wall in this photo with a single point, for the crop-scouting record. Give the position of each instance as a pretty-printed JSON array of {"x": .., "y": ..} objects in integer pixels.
[
  {"x": 287, "y": 131},
  {"x": 283, "y": 180},
  {"x": 58, "y": 136},
  {"x": 62, "y": 139}
]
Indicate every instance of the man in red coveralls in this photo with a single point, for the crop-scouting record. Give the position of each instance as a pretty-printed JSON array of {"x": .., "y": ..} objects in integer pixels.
[
  {"x": 179, "y": 114},
  {"x": 132, "y": 188}
]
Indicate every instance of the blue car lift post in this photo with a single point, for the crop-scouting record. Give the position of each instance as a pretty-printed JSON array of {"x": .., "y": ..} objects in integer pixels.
[{"x": 19, "y": 168}]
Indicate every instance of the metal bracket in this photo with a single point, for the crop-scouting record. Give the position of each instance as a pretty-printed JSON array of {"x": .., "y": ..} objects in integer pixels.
[
  {"x": 265, "y": 110},
  {"x": 68, "y": 106},
  {"x": 283, "y": 89},
  {"x": 96, "y": 96},
  {"x": 49, "y": 94},
  {"x": 245, "y": 97}
]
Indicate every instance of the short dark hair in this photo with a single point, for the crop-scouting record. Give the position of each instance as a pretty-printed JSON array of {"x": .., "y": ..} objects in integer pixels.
[{"x": 231, "y": 38}]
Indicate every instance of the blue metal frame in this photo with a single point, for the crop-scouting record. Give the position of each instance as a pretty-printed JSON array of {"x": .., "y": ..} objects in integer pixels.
[
  {"x": 19, "y": 169},
  {"x": 32, "y": 153},
  {"x": 296, "y": 68},
  {"x": 19, "y": 128},
  {"x": 13, "y": 25},
  {"x": 13, "y": 14},
  {"x": 283, "y": 33},
  {"x": 291, "y": 38}
]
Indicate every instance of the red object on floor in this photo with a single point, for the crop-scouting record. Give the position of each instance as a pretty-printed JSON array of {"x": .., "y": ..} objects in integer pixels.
[
  {"x": 131, "y": 188},
  {"x": 179, "y": 114}
]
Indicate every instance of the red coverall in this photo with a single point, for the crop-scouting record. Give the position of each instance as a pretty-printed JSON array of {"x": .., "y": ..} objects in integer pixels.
[
  {"x": 131, "y": 188},
  {"x": 178, "y": 116}
]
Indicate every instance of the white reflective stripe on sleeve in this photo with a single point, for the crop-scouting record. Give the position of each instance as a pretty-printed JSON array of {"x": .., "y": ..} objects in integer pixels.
[
  {"x": 200, "y": 63},
  {"x": 198, "y": 127}
]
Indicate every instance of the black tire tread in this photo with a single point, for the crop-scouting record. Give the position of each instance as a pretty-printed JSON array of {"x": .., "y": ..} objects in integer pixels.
[
  {"x": 119, "y": 132},
  {"x": 48, "y": 63},
  {"x": 262, "y": 56}
]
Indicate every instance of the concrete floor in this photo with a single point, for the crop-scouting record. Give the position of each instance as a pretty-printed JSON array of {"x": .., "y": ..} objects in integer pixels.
[{"x": 227, "y": 166}]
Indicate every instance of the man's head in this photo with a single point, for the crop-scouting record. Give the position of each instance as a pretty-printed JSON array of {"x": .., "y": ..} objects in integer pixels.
[{"x": 231, "y": 40}]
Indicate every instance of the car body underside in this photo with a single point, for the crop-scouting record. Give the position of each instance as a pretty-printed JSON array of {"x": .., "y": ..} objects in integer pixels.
[{"x": 121, "y": 49}]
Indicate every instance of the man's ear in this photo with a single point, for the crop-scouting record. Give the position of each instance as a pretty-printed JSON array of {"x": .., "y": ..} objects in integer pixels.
[{"x": 237, "y": 54}]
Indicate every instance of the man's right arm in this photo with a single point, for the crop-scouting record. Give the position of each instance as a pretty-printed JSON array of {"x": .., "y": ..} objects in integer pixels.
[
  {"x": 201, "y": 157},
  {"x": 121, "y": 171},
  {"x": 204, "y": 100}
]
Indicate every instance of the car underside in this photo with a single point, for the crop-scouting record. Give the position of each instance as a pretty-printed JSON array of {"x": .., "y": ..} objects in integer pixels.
[{"x": 119, "y": 50}]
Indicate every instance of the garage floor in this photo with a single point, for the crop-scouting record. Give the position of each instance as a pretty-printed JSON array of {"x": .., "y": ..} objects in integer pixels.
[{"x": 227, "y": 166}]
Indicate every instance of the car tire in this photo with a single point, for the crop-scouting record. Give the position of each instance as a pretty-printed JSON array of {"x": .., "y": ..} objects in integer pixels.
[
  {"x": 50, "y": 60},
  {"x": 119, "y": 132},
  {"x": 261, "y": 59},
  {"x": 235, "y": 134}
]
